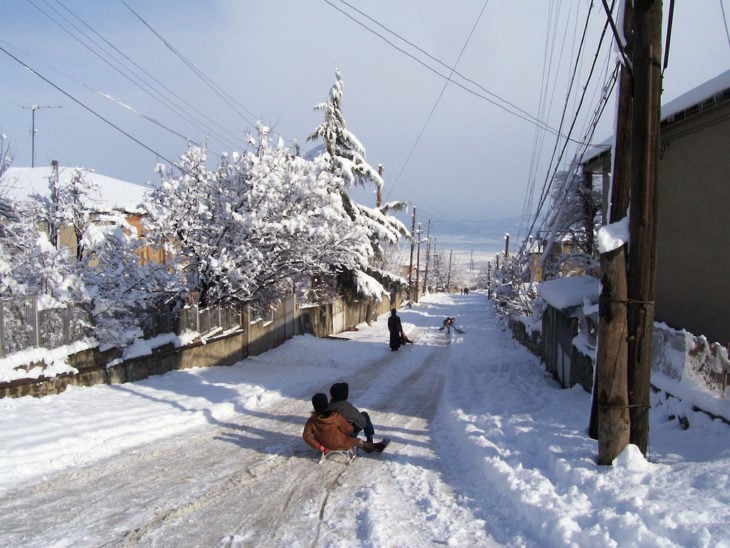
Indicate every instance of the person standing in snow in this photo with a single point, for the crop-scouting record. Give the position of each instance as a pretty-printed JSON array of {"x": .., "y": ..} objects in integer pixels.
[
  {"x": 395, "y": 328},
  {"x": 327, "y": 430},
  {"x": 360, "y": 420}
]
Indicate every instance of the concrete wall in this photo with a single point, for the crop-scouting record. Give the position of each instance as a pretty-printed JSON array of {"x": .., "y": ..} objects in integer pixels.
[
  {"x": 554, "y": 346},
  {"x": 288, "y": 321},
  {"x": 693, "y": 248},
  {"x": 677, "y": 354},
  {"x": 93, "y": 366}
]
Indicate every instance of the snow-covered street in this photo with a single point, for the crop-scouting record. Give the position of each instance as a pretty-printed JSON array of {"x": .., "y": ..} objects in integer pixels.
[{"x": 486, "y": 450}]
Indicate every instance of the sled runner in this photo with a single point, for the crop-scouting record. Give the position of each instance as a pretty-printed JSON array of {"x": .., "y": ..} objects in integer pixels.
[{"x": 349, "y": 455}]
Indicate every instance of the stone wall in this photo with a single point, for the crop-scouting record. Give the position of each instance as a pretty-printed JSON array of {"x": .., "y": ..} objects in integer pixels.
[
  {"x": 289, "y": 320},
  {"x": 93, "y": 366}
]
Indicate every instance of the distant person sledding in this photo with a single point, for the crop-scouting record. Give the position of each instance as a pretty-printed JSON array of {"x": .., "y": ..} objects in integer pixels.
[
  {"x": 448, "y": 325},
  {"x": 397, "y": 337}
]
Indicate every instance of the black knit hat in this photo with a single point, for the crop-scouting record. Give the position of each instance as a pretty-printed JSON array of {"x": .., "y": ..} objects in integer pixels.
[
  {"x": 319, "y": 402},
  {"x": 340, "y": 391}
]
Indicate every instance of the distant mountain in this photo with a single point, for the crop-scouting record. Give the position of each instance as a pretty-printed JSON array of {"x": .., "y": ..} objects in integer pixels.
[
  {"x": 490, "y": 227},
  {"x": 486, "y": 235}
]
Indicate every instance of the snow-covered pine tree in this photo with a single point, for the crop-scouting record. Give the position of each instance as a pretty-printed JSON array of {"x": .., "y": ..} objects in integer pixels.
[
  {"x": 345, "y": 153},
  {"x": 346, "y": 157}
]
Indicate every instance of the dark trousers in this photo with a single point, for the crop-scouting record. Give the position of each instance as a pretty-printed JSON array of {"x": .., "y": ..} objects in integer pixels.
[{"x": 369, "y": 429}]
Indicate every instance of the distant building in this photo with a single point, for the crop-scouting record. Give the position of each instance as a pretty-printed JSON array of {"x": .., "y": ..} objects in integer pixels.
[{"x": 114, "y": 195}]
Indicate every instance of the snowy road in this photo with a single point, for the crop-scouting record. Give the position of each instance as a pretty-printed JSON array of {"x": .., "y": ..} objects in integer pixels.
[
  {"x": 486, "y": 450},
  {"x": 250, "y": 480}
]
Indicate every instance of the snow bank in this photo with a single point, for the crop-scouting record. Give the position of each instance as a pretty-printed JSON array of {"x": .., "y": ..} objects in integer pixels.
[{"x": 562, "y": 293}]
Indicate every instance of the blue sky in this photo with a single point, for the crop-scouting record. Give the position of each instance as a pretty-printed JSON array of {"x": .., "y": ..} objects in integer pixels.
[{"x": 458, "y": 157}]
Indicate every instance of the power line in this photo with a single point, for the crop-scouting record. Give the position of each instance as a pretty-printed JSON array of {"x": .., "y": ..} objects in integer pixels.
[
  {"x": 115, "y": 65},
  {"x": 551, "y": 177},
  {"x": 544, "y": 105},
  {"x": 438, "y": 99},
  {"x": 103, "y": 94},
  {"x": 236, "y": 138},
  {"x": 724, "y": 20},
  {"x": 517, "y": 112},
  {"x": 89, "y": 109},
  {"x": 218, "y": 90}
]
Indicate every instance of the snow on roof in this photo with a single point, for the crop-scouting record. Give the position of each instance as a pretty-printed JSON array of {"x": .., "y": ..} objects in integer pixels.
[
  {"x": 20, "y": 183},
  {"x": 696, "y": 96},
  {"x": 562, "y": 293},
  {"x": 596, "y": 150}
]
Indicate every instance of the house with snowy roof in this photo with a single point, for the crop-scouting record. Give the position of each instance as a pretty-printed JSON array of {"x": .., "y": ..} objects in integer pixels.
[
  {"x": 693, "y": 200},
  {"x": 107, "y": 195}
]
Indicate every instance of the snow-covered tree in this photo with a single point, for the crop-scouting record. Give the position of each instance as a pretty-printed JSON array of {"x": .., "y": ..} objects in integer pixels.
[
  {"x": 67, "y": 204},
  {"x": 102, "y": 274},
  {"x": 118, "y": 289},
  {"x": 7, "y": 213},
  {"x": 263, "y": 223},
  {"x": 73, "y": 205},
  {"x": 345, "y": 153},
  {"x": 573, "y": 219},
  {"x": 346, "y": 157},
  {"x": 6, "y": 154}
]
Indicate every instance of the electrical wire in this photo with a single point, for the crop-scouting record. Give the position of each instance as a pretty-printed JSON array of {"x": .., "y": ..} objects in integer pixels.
[
  {"x": 515, "y": 111},
  {"x": 544, "y": 107},
  {"x": 438, "y": 100},
  {"x": 93, "y": 47},
  {"x": 218, "y": 90},
  {"x": 89, "y": 109},
  {"x": 724, "y": 19},
  {"x": 550, "y": 177},
  {"x": 555, "y": 157},
  {"x": 449, "y": 78},
  {"x": 102, "y": 94},
  {"x": 168, "y": 90}
]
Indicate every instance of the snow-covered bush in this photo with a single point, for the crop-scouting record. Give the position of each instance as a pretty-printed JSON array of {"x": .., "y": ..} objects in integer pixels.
[
  {"x": 260, "y": 225},
  {"x": 102, "y": 274}
]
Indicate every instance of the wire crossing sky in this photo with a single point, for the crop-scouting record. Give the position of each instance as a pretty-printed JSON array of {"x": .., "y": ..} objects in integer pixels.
[{"x": 139, "y": 80}]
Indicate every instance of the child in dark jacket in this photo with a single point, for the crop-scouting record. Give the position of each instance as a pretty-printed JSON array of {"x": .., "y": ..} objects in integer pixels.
[{"x": 360, "y": 420}]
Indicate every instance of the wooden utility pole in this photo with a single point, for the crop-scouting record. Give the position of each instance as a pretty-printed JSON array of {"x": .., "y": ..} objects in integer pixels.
[
  {"x": 428, "y": 255},
  {"x": 448, "y": 276},
  {"x": 410, "y": 265},
  {"x": 418, "y": 262},
  {"x": 610, "y": 410},
  {"x": 647, "y": 80}
]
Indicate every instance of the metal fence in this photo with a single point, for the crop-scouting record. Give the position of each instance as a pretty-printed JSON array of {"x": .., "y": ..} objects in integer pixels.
[{"x": 23, "y": 325}]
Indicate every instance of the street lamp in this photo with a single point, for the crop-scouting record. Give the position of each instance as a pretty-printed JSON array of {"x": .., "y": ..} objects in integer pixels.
[{"x": 33, "y": 108}]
